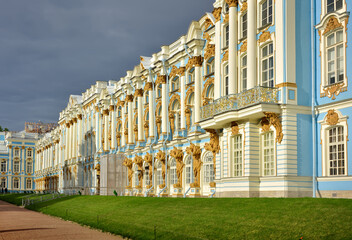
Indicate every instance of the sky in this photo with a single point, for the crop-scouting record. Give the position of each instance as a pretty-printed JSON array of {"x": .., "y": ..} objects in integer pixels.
[{"x": 50, "y": 49}]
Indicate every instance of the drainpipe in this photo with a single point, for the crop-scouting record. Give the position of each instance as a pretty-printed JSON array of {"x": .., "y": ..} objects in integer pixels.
[
  {"x": 155, "y": 137},
  {"x": 184, "y": 195},
  {"x": 313, "y": 96},
  {"x": 186, "y": 49},
  {"x": 168, "y": 127}
]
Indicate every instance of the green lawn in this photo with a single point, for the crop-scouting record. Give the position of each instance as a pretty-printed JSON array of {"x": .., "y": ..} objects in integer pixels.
[
  {"x": 218, "y": 218},
  {"x": 14, "y": 198}
]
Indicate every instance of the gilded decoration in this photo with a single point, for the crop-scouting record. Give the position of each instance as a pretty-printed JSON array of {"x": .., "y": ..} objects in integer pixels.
[
  {"x": 188, "y": 117},
  {"x": 332, "y": 118},
  {"x": 149, "y": 160},
  {"x": 213, "y": 146},
  {"x": 226, "y": 56},
  {"x": 118, "y": 137},
  {"x": 333, "y": 90},
  {"x": 188, "y": 94},
  {"x": 111, "y": 108},
  {"x": 160, "y": 79},
  {"x": 126, "y": 129},
  {"x": 243, "y": 47},
  {"x": 264, "y": 37},
  {"x": 196, "y": 152},
  {"x": 207, "y": 37},
  {"x": 217, "y": 14},
  {"x": 160, "y": 156},
  {"x": 265, "y": 124},
  {"x": 232, "y": 3},
  {"x": 172, "y": 121},
  {"x": 209, "y": 51},
  {"x": 138, "y": 93},
  {"x": 286, "y": 84},
  {"x": 178, "y": 155},
  {"x": 139, "y": 162},
  {"x": 207, "y": 84},
  {"x": 175, "y": 71},
  {"x": 148, "y": 86},
  {"x": 146, "y": 128},
  {"x": 275, "y": 121},
  {"x": 129, "y": 98},
  {"x": 226, "y": 18},
  {"x": 120, "y": 103},
  {"x": 128, "y": 163},
  {"x": 208, "y": 23},
  {"x": 234, "y": 128},
  {"x": 244, "y": 7},
  {"x": 332, "y": 24},
  {"x": 135, "y": 130},
  {"x": 196, "y": 61},
  {"x": 158, "y": 124},
  {"x": 175, "y": 97}
]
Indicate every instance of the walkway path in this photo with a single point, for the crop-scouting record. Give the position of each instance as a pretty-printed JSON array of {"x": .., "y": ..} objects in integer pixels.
[{"x": 18, "y": 223}]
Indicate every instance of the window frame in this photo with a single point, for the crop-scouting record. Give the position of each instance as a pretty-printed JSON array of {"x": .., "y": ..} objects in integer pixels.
[
  {"x": 31, "y": 183},
  {"x": 242, "y": 68},
  {"x": 18, "y": 182},
  {"x": 16, "y": 166},
  {"x": 208, "y": 168},
  {"x": 262, "y": 154},
  {"x": 173, "y": 173},
  {"x": 27, "y": 167},
  {"x": 3, "y": 180},
  {"x": 335, "y": 47},
  {"x": 267, "y": 58},
  {"x": 260, "y": 14},
  {"x": 226, "y": 79},
  {"x": 245, "y": 13},
  {"x": 235, "y": 150},
  {"x": 326, "y": 6},
  {"x": 3, "y": 161}
]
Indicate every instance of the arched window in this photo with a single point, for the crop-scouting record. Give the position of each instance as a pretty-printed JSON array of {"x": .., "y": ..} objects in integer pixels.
[
  {"x": 210, "y": 93},
  {"x": 159, "y": 177},
  {"x": 159, "y": 91},
  {"x": 136, "y": 182},
  {"x": 208, "y": 168},
  {"x": 29, "y": 167},
  {"x": 146, "y": 176},
  {"x": 267, "y": 65},
  {"x": 191, "y": 105},
  {"x": 188, "y": 169},
  {"x": 173, "y": 175},
  {"x": 191, "y": 75},
  {"x": 210, "y": 65},
  {"x": 336, "y": 151},
  {"x": 335, "y": 57},
  {"x": 226, "y": 80},
  {"x": 226, "y": 35},
  {"x": 29, "y": 153},
  {"x": 268, "y": 154},
  {"x": 17, "y": 152},
  {"x": 175, "y": 84},
  {"x": 16, "y": 166},
  {"x": 3, "y": 183},
  {"x": 146, "y": 96},
  {"x": 3, "y": 166},
  {"x": 29, "y": 183},
  {"x": 136, "y": 103},
  {"x": 176, "y": 109},
  {"x": 16, "y": 183},
  {"x": 119, "y": 112}
]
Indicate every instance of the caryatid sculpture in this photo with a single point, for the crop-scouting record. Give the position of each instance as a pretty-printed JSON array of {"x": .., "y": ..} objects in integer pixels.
[
  {"x": 139, "y": 162},
  {"x": 195, "y": 151},
  {"x": 160, "y": 156},
  {"x": 149, "y": 159},
  {"x": 178, "y": 155},
  {"x": 128, "y": 163}
]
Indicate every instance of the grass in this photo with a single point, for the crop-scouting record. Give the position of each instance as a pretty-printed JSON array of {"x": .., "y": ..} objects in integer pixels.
[
  {"x": 218, "y": 218},
  {"x": 14, "y": 198}
]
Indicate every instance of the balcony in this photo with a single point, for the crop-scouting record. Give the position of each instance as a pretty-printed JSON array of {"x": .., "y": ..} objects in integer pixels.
[{"x": 239, "y": 101}]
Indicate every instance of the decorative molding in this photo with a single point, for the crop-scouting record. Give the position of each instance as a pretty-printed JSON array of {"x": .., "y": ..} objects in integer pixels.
[
  {"x": 286, "y": 84},
  {"x": 243, "y": 47},
  {"x": 158, "y": 124},
  {"x": 264, "y": 37},
  {"x": 138, "y": 93},
  {"x": 209, "y": 51},
  {"x": 175, "y": 71},
  {"x": 146, "y": 128},
  {"x": 205, "y": 89},
  {"x": 274, "y": 120},
  {"x": 160, "y": 156},
  {"x": 129, "y": 98},
  {"x": 160, "y": 79},
  {"x": 333, "y": 90},
  {"x": 332, "y": 118},
  {"x": 217, "y": 14},
  {"x": 332, "y": 24},
  {"x": 178, "y": 155},
  {"x": 196, "y": 152},
  {"x": 208, "y": 23},
  {"x": 232, "y": 3},
  {"x": 225, "y": 56},
  {"x": 148, "y": 86},
  {"x": 196, "y": 61},
  {"x": 234, "y": 128},
  {"x": 213, "y": 146},
  {"x": 139, "y": 162},
  {"x": 244, "y": 7},
  {"x": 128, "y": 163},
  {"x": 149, "y": 160}
]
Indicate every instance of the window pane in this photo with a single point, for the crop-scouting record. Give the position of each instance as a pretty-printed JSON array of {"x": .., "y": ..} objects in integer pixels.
[
  {"x": 331, "y": 39},
  {"x": 339, "y": 36},
  {"x": 338, "y": 4}
]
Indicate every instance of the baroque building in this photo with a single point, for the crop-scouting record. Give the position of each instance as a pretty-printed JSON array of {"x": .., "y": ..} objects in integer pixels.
[{"x": 252, "y": 101}]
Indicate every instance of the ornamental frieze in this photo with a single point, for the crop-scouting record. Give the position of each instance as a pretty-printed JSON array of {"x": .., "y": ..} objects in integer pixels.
[
  {"x": 178, "y": 155},
  {"x": 175, "y": 71}
]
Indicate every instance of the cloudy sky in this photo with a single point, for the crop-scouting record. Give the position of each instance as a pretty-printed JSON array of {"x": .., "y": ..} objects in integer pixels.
[{"x": 50, "y": 49}]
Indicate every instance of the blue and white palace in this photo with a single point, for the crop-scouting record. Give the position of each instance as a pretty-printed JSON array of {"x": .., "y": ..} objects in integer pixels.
[{"x": 253, "y": 101}]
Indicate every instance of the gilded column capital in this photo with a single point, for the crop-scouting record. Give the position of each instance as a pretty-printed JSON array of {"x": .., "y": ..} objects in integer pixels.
[
  {"x": 160, "y": 79},
  {"x": 217, "y": 13},
  {"x": 148, "y": 86},
  {"x": 111, "y": 108},
  {"x": 106, "y": 112},
  {"x": 232, "y": 3},
  {"x": 79, "y": 116},
  {"x": 129, "y": 98},
  {"x": 138, "y": 93}
]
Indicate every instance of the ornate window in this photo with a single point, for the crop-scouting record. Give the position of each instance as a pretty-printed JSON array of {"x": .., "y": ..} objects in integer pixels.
[
  {"x": 336, "y": 151},
  {"x": 267, "y": 65},
  {"x": 175, "y": 84},
  {"x": 16, "y": 183},
  {"x": 210, "y": 66},
  {"x": 191, "y": 75},
  {"x": 210, "y": 93},
  {"x": 3, "y": 183},
  {"x": 119, "y": 112},
  {"x": 29, "y": 153},
  {"x": 244, "y": 72},
  {"x": 208, "y": 168},
  {"x": 17, "y": 152},
  {"x": 226, "y": 8},
  {"x": 335, "y": 57},
  {"x": 16, "y": 166},
  {"x": 29, "y": 183},
  {"x": 3, "y": 166},
  {"x": 244, "y": 26},
  {"x": 226, "y": 80},
  {"x": 268, "y": 154},
  {"x": 191, "y": 106},
  {"x": 159, "y": 177},
  {"x": 333, "y": 5},
  {"x": 188, "y": 169},
  {"x": 146, "y": 177},
  {"x": 237, "y": 156},
  {"x": 173, "y": 175},
  {"x": 29, "y": 167},
  {"x": 266, "y": 12},
  {"x": 177, "y": 114},
  {"x": 226, "y": 36}
]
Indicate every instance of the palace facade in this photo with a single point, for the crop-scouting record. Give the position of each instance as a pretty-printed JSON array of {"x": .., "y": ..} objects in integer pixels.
[{"x": 253, "y": 101}]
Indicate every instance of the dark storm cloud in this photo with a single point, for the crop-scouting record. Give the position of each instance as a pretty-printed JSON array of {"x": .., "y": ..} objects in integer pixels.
[{"x": 50, "y": 49}]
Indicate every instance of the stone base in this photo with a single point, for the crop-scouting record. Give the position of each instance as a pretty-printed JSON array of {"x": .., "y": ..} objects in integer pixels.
[
  {"x": 194, "y": 192},
  {"x": 128, "y": 192},
  {"x": 177, "y": 192},
  {"x": 212, "y": 192},
  {"x": 164, "y": 193},
  {"x": 334, "y": 194},
  {"x": 269, "y": 194}
]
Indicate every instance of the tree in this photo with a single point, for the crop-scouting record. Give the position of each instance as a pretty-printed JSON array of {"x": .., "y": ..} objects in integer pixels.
[
  {"x": 1, "y": 130},
  {"x": 6, "y": 129}
]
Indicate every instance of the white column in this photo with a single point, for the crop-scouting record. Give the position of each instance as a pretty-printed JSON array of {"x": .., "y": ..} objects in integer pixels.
[
  {"x": 66, "y": 140},
  {"x": 217, "y": 64},
  {"x": 80, "y": 133},
  {"x": 74, "y": 142},
  {"x": 97, "y": 145},
  {"x": 252, "y": 44},
  {"x": 164, "y": 108},
  {"x": 140, "y": 118},
  {"x": 183, "y": 96},
  {"x": 113, "y": 126},
  {"x": 123, "y": 140},
  {"x": 198, "y": 89},
  {"x": 130, "y": 123},
  {"x": 106, "y": 129},
  {"x": 233, "y": 83},
  {"x": 151, "y": 111}
]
